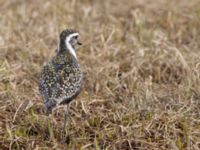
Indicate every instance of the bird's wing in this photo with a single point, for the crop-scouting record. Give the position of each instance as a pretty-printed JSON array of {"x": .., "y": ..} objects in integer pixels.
[
  {"x": 47, "y": 82},
  {"x": 59, "y": 82}
]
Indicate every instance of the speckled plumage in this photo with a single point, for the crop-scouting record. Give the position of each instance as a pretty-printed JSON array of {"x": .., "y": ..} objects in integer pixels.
[{"x": 61, "y": 78}]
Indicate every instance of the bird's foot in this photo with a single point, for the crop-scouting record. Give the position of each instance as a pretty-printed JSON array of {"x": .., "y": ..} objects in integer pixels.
[{"x": 65, "y": 139}]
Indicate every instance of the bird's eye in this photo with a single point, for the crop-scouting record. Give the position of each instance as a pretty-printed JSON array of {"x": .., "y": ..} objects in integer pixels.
[{"x": 76, "y": 37}]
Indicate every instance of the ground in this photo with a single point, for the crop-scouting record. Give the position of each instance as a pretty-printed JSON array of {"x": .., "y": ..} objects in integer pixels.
[{"x": 142, "y": 74}]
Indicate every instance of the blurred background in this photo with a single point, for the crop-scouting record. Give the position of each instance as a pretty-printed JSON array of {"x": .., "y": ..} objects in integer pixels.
[{"x": 142, "y": 69}]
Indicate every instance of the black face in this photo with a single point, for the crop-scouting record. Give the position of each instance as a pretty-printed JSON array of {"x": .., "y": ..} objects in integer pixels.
[{"x": 72, "y": 39}]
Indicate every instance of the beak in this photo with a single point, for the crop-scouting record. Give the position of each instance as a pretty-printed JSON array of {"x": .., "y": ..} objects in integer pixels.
[{"x": 79, "y": 43}]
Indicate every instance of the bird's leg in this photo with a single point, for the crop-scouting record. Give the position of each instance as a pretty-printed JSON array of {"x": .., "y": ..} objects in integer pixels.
[
  {"x": 49, "y": 133},
  {"x": 66, "y": 115},
  {"x": 65, "y": 119}
]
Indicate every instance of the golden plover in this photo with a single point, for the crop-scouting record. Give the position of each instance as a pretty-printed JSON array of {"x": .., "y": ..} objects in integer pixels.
[{"x": 62, "y": 78}]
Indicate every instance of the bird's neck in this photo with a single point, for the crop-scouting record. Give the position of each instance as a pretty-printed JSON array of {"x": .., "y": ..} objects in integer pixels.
[{"x": 67, "y": 48}]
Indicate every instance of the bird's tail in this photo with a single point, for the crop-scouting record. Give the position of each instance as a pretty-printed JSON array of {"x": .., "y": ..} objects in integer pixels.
[{"x": 49, "y": 107}]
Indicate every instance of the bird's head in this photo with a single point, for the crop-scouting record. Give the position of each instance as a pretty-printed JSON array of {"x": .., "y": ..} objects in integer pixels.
[{"x": 69, "y": 38}]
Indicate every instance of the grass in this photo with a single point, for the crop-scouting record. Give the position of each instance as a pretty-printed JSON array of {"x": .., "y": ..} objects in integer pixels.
[{"x": 142, "y": 74}]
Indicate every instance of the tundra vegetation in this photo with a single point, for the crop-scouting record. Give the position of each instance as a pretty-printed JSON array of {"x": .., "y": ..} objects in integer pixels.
[{"x": 142, "y": 74}]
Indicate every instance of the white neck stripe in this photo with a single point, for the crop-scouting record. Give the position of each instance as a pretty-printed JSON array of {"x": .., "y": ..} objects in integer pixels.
[{"x": 69, "y": 46}]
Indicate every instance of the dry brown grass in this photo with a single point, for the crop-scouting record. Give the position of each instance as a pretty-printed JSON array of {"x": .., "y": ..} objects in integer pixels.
[{"x": 142, "y": 65}]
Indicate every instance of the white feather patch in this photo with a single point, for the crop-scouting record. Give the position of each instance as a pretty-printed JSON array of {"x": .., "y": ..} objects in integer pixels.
[{"x": 69, "y": 46}]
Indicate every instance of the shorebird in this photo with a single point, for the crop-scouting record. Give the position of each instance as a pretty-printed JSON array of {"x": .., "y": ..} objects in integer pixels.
[{"x": 61, "y": 78}]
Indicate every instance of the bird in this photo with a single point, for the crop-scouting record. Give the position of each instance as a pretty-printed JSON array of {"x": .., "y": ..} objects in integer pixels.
[{"x": 61, "y": 78}]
